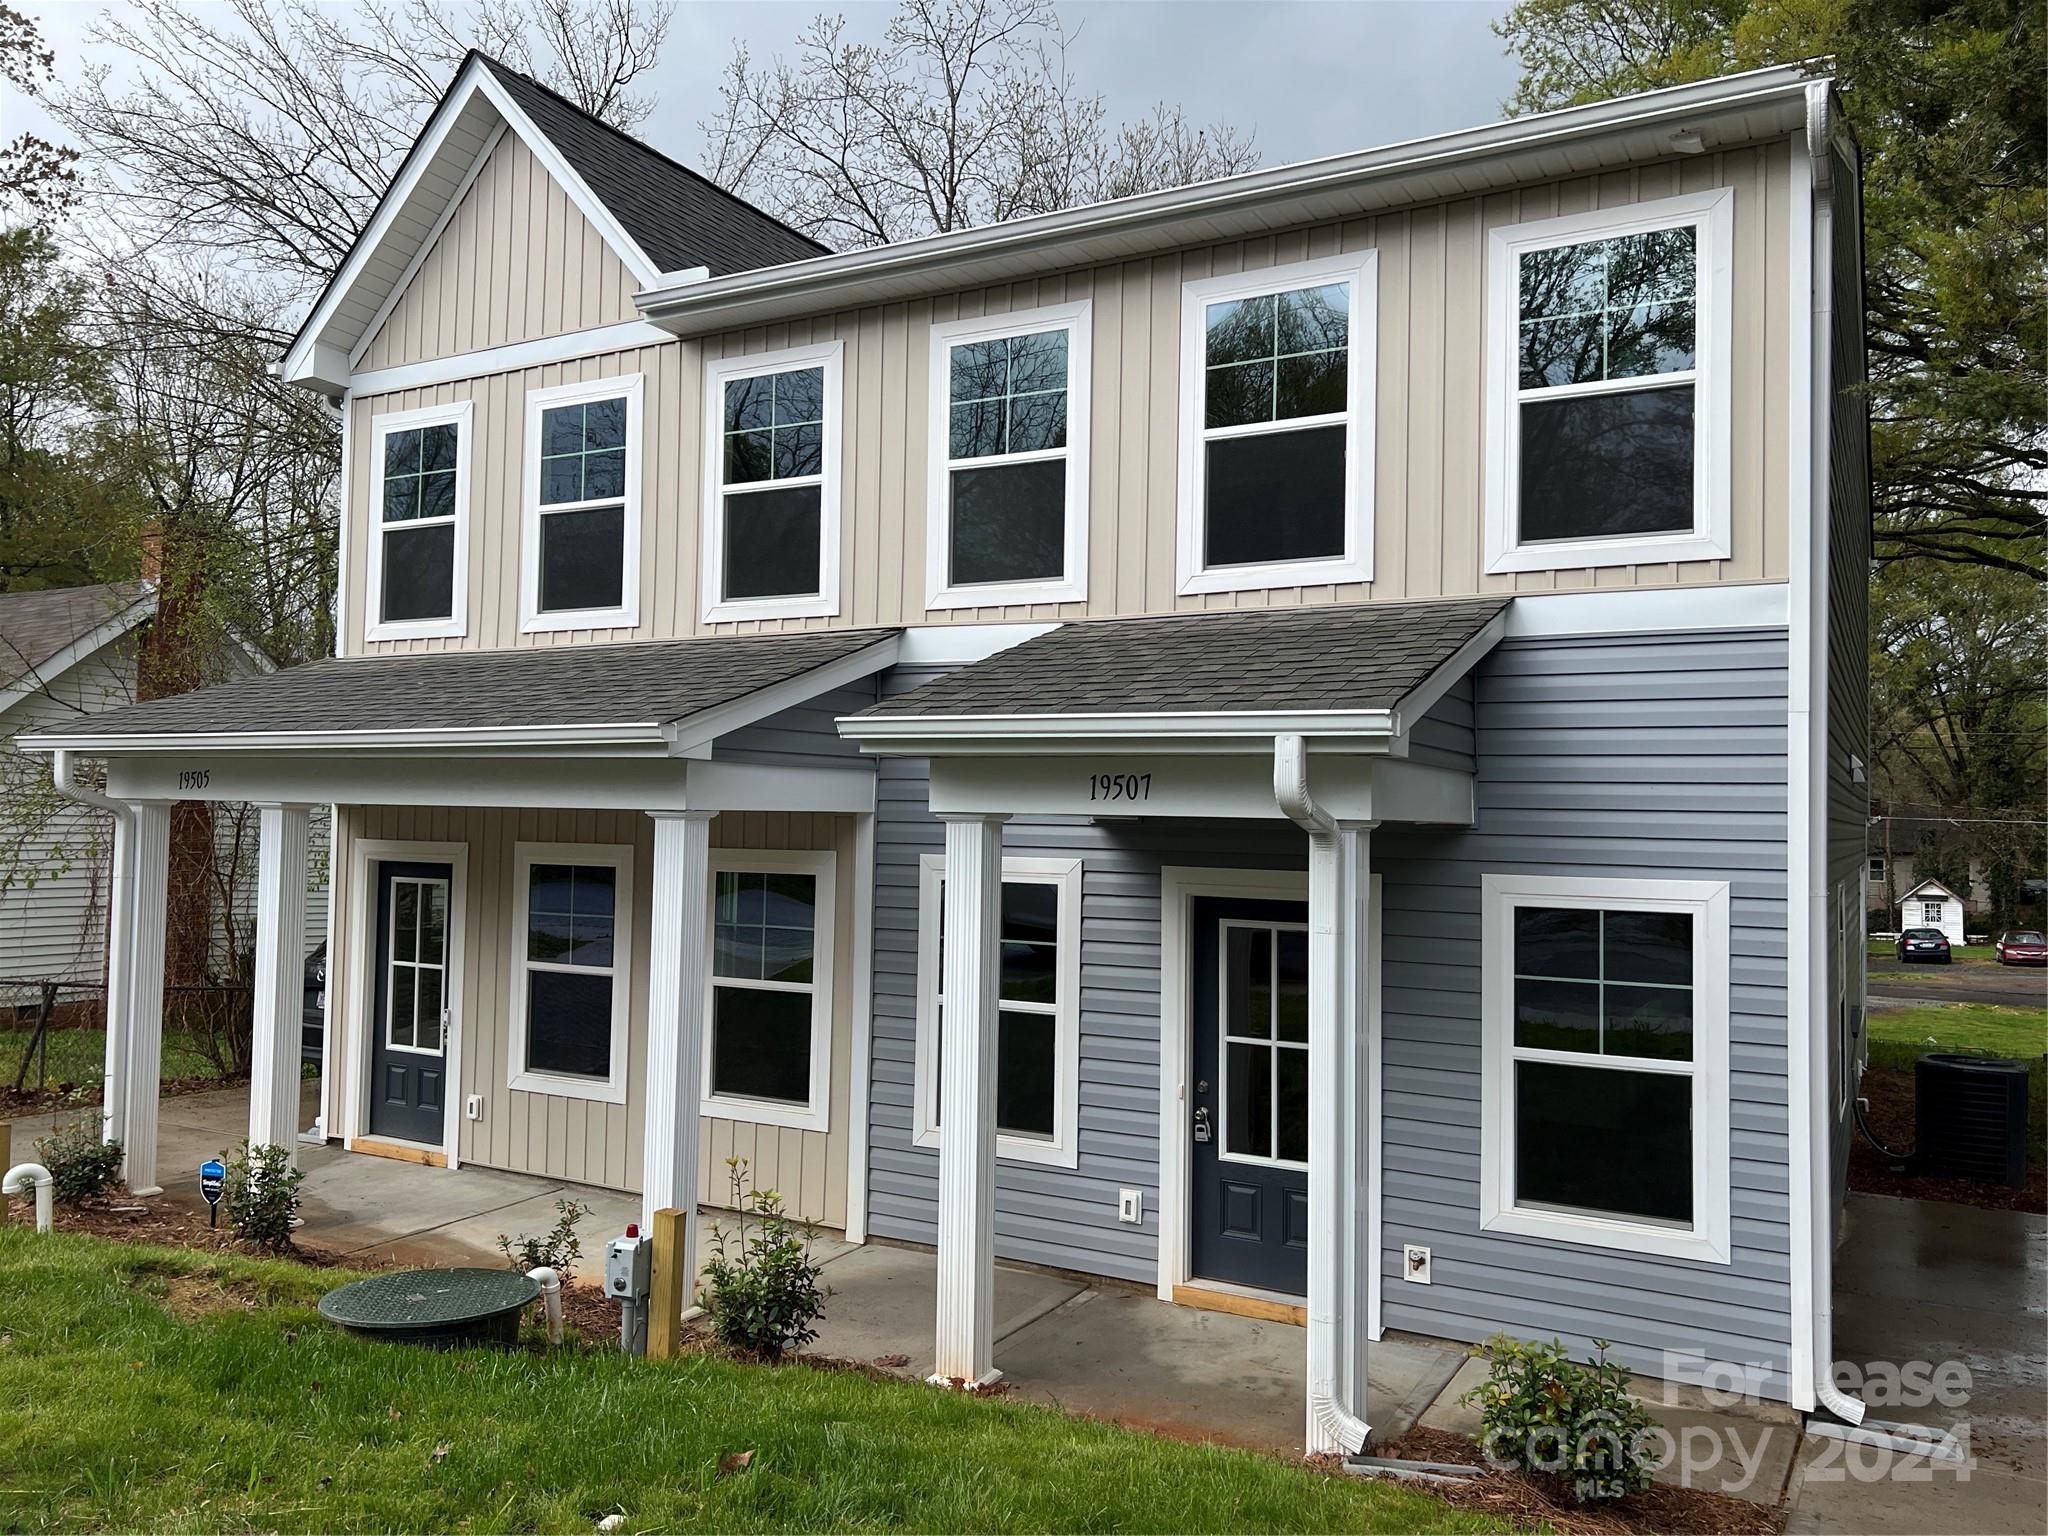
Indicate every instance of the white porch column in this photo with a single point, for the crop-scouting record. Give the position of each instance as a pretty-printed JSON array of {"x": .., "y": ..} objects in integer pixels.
[
  {"x": 136, "y": 905},
  {"x": 967, "y": 1101},
  {"x": 678, "y": 989},
  {"x": 280, "y": 976},
  {"x": 1338, "y": 1264}
]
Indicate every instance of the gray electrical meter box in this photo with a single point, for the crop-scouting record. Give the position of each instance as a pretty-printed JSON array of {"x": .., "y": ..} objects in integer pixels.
[{"x": 626, "y": 1266}]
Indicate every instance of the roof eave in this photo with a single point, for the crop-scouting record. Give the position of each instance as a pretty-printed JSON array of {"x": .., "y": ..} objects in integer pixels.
[
  {"x": 1215, "y": 210},
  {"x": 1172, "y": 733},
  {"x": 640, "y": 737}
]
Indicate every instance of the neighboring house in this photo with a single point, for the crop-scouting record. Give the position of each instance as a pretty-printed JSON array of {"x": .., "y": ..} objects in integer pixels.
[
  {"x": 1362, "y": 662},
  {"x": 1894, "y": 841},
  {"x": 1930, "y": 904},
  {"x": 66, "y": 655}
]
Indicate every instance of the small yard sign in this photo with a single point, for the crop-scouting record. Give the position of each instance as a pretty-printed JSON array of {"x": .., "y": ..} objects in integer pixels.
[{"x": 213, "y": 1178}]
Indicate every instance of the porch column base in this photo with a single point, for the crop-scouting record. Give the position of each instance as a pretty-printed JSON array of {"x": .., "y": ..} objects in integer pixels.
[
  {"x": 135, "y": 989},
  {"x": 279, "y": 980},
  {"x": 678, "y": 964},
  {"x": 967, "y": 1103}
]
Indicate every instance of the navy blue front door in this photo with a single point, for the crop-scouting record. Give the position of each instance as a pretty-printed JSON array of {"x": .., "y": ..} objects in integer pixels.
[
  {"x": 1249, "y": 1115},
  {"x": 409, "y": 1024}
]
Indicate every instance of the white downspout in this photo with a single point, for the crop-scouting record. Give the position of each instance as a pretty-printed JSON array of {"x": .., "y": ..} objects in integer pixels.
[
  {"x": 120, "y": 895},
  {"x": 1336, "y": 1348}
]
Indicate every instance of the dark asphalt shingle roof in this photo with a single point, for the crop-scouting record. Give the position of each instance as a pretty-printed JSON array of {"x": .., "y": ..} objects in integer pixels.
[
  {"x": 638, "y": 683},
  {"x": 679, "y": 218},
  {"x": 35, "y": 626},
  {"x": 1363, "y": 656}
]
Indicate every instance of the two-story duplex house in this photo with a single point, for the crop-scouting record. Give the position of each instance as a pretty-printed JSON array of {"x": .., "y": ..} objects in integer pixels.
[{"x": 1295, "y": 740}]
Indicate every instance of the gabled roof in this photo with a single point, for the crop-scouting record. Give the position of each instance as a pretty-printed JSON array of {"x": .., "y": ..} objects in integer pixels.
[
  {"x": 1365, "y": 670},
  {"x": 44, "y": 634},
  {"x": 1925, "y": 886},
  {"x": 657, "y": 695},
  {"x": 666, "y": 223}
]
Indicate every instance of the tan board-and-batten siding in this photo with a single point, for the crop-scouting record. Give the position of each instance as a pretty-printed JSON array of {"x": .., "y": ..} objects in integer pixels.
[
  {"x": 1428, "y": 431},
  {"x": 582, "y": 1141}
]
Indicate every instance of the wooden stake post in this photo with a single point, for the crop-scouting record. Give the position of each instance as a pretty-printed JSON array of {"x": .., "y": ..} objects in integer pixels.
[
  {"x": 668, "y": 1287},
  {"x": 6, "y": 1162}
]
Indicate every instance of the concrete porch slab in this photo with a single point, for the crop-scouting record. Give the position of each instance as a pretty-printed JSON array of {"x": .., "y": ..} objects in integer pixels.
[{"x": 884, "y": 1302}]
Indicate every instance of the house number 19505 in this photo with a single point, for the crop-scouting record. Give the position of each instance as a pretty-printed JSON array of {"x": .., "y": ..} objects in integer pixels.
[
  {"x": 1119, "y": 786},
  {"x": 194, "y": 778}
]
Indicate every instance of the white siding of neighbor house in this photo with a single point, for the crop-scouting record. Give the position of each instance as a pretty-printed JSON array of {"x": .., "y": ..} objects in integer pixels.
[{"x": 1428, "y": 449}]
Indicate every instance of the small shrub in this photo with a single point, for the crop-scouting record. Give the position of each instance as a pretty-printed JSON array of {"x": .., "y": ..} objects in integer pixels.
[
  {"x": 261, "y": 1195},
  {"x": 763, "y": 1294},
  {"x": 81, "y": 1165},
  {"x": 1541, "y": 1411},
  {"x": 558, "y": 1248}
]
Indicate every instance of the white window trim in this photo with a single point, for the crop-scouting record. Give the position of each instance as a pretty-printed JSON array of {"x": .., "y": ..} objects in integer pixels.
[
  {"x": 1361, "y": 270},
  {"x": 630, "y": 387},
  {"x": 615, "y": 856},
  {"x": 1076, "y": 321},
  {"x": 461, "y": 415},
  {"x": 1707, "y": 901},
  {"x": 815, "y": 1115},
  {"x": 831, "y": 356},
  {"x": 1063, "y": 1150},
  {"x": 1712, "y": 214}
]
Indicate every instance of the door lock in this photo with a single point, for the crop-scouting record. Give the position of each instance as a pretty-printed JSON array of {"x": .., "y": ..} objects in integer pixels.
[{"x": 1202, "y": 1123}]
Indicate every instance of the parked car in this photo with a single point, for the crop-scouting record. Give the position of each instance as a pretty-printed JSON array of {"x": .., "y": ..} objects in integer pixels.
[
  {"x": 313, "y": 1011},
  {"x": 1929, "y": 944},
  {"x": 2026, "y": 946}
]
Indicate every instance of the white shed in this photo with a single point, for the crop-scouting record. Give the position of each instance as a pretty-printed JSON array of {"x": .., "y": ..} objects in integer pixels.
[{"x": 1930, "y": 904}]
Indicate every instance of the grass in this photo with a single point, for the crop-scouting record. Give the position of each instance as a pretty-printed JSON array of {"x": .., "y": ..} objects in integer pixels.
[
  {"x": 80, "y": 1056},
  {"x": 163, "y": 1389},
  {"x": 2017, "y": 1032}
]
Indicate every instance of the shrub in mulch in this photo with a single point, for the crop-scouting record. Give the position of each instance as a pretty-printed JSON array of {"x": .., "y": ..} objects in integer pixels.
[{"x": 1544, "y": 1498}]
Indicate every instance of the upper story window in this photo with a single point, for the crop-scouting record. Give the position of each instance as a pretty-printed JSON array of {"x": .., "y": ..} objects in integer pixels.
[
  {"x": 580, "y": 566},
  {"x": 1608, "y": 397},
  {"x": 1276, "y": 426},
  {"x": 1007, "y": 517},
  {"x": 418, "y": 546},
  {"x": 771, "y": 497}
]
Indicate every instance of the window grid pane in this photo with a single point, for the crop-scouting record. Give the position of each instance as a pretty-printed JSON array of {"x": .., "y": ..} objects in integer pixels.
[
  {"x": 1603, "y": 983},
  {"x": 1622, "y": 307},
  {"x": 1027, "y": 1028},
  {"x": 583, "y": 452},
  {"x": 774, "y": 427},
  {"x": 1276, "y": 357},
  {"x": 1008, "y": 396},
  {"x": 419, "y": 473}
]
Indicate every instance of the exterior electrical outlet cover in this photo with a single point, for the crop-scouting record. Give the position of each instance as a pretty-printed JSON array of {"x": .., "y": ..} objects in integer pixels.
[
  {"x": 1415, "y": 1263},
  {"x": 473, "y": 1106},
  {"x": 1130, "y": 1205}
]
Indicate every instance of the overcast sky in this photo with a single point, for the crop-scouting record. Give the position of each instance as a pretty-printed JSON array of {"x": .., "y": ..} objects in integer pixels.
[{"x": 1309, "y": 78}]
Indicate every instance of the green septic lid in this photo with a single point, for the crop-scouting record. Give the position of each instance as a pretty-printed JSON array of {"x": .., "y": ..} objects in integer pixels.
[{"x": 427, "y": 1298}]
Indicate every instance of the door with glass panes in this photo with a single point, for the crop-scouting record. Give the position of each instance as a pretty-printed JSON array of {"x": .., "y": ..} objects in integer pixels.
[{"x": 409, "y": 1038}]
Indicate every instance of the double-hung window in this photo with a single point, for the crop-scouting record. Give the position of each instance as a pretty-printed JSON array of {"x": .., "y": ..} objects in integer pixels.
[
  {"x": 419, "y": 544},
  {"x": 1007, "y": 518},
  {"x": 1608, "y": 398},
  {"x": 771, "y": 491},
  {"x": 1277, "y": 426},
  {"x": 1605, "y": 1022},
  {"x": 1038, "y": 1012},
  {"x": 571, "y": 969},
  {"x": 768, "y": 1057},
  {"x": 581, "y": 564}
]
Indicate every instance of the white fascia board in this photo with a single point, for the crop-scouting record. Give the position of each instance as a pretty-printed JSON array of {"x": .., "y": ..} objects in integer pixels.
[
  {"x": 1422, "y": 698},
  {"x": 942, "y": 645},
  {"x": 1650, "y": 611},
  {"x": 693, "y": 309},
  {"x": 50, "y": 668},
  {"x": 698, "y": 731},
  {"x": 1360, "y": 730},
  {"x": 512, "y": 357}
]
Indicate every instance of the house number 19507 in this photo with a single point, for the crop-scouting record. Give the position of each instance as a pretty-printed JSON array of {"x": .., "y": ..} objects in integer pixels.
[{"x": 1119, "y": 786}]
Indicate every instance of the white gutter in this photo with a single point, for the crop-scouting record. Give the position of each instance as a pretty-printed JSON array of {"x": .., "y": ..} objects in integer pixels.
[
  {"x": 1336, "y": 1346},
  {"x": 645, "y": 734},
  {"x": 930, "y": 258}
]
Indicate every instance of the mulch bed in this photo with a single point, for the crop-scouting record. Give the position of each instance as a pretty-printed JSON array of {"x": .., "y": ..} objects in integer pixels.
[
  {"x": 1890, "y": 1092},
  {"x": 1533, "y": 1498}
]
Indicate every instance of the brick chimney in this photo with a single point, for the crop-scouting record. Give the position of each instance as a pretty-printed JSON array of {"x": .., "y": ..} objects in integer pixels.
[{"x": 153, "y": 553}]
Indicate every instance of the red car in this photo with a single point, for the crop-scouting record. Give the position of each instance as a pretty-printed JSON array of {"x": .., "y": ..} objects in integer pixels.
[{"x": 2025, "y": 947}]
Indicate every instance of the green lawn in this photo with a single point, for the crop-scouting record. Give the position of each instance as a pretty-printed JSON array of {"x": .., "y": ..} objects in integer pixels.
[
  {"x": 79, "y": 1056},
  {"x": 125, "y": 1414},
  {"x": 2016, "y": 1032}
]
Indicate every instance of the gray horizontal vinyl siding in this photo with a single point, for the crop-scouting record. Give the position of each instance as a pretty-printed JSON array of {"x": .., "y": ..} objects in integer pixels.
[
  {"x": 1660, "y": 757},
  {"x": 1443, "y": 738},
  {"x": 1065, "y": 1218},
  {"x": 802, "y": 736}
]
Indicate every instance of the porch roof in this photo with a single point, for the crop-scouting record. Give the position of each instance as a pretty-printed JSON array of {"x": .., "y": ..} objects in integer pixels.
[
  {"x": 669, "y": 696},
  {"x": 1365, "y": 670}
]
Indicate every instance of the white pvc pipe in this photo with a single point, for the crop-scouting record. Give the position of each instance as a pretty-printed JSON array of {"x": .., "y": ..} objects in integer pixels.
[
  {"x": 33, "y": 1175},
  {"x": 550, "y": 1299}
]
